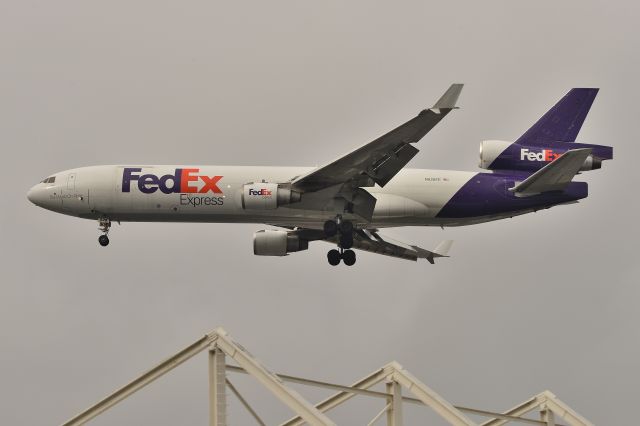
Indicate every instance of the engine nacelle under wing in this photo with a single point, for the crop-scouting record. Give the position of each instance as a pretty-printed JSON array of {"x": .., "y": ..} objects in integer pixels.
[
  {"x": 277, "y": 243},
  {"x": 267, "y": 196},
  {"x": 532, "y": 156}
]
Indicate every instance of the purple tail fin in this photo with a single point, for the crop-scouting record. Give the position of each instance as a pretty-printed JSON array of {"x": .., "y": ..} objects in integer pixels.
[
  {"x": 562, "y": 122},
  {"x": 553, "y": 134}
]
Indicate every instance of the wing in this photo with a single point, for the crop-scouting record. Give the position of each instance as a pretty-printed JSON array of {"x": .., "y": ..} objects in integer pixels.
[
  {"x": 372, "y": 241},
  {"x": 380, "y": 160}
]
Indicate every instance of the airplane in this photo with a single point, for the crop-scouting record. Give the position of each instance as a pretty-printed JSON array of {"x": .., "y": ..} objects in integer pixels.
[{"x": 347, "y": 201}]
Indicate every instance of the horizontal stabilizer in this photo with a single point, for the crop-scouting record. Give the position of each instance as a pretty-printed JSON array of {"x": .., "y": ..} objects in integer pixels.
[
  {"x": 442, "y": 250},
  {"x": 555, "y": 176}
]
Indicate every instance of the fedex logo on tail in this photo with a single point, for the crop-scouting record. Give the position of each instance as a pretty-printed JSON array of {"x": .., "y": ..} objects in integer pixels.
[
  {"x": 182, "y": 181},
  {"x": 545, "y": 155}
]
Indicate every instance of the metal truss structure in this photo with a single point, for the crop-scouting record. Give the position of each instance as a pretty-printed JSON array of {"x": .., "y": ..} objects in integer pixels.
[{"x": 396, "y": 379}]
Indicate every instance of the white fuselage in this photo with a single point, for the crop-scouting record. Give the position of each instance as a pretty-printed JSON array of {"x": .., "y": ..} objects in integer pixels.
[{"x": 214, "y": 194}]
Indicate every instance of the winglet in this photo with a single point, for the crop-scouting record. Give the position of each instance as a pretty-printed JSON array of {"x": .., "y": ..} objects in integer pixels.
[{"x": 450, "y": 97}]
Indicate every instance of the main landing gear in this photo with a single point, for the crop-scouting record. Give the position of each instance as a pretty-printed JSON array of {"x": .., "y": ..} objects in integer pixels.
[
  {"x": 104, "y": 223},
  {"x": 347, "y": 256},
  {"x": 344, "y": 230}
]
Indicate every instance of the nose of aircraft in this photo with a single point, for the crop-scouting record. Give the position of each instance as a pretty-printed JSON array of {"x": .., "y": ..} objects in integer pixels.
[{"x": 36, "y": 195}]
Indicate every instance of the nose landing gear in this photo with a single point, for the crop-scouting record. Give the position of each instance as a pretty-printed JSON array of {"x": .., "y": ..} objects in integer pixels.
[
  {"x": 104, "y": 224},
  {"x": 345, "y": 241}
]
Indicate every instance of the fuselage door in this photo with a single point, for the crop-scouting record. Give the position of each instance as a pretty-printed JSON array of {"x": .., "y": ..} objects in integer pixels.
[
  {"x": 71, "y": 182},
  {"x": 74, "y": 199}
]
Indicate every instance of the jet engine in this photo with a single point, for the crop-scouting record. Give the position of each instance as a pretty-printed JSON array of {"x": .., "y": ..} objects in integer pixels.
[
  {"x": 267, "y": 196},
  {"x": 490, "y": 150},
  {"x": 532, "y": 156},
  {"x": 277, "y": 243}
]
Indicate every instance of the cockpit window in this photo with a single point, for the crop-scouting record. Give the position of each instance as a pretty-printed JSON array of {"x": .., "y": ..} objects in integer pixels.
[{"x": 51, "y": 179}]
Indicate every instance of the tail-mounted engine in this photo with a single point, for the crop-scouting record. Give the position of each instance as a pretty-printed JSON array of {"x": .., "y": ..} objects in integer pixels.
[
  {"x": 277, "y": 243},
  {"x": 530, "y": 157},
  {"x": 267, "y": 196}
]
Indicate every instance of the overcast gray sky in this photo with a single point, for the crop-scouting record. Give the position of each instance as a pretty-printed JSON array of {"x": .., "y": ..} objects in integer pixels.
[{"x": 544, "y": 301}]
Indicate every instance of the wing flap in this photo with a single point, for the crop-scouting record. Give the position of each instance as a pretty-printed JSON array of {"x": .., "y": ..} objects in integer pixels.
[{"x": 389, "y": 166}]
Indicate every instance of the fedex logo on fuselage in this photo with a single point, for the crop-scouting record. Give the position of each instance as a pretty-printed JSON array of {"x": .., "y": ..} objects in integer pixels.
[
  {"x": 183, "y": 181},
  {"x": 264, "y": 192},
  {"x": 544, "y": 155}
]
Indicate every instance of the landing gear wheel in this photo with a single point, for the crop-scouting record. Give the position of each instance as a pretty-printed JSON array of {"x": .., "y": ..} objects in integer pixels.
[
  {"x": 330, "y": 228},
  {"x": 346, "y": 241},
  {"x": 333, "y": 256},
  {"x": 349, "y": 257},
  {"x": 346, "y": 227},
  {"x": 104, "y": 224},
  {"x": 103, "y": 240}
]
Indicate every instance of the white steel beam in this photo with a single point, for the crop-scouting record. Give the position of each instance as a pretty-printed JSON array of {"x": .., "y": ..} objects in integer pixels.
[
  {"x": 517, "y": 411},
  {"x": 547, "y": 416},
  {"x": 289, "y": 397},
  {"x": 377, "y": 416},
  {"x": 221, "y": 345},
  {"x": 394, "y": 413},
  {"x": 319, "y": 384},
  {"x": 245, "y": 403},
  {"x": 345, "y": 395},
  {"x": 430, "y": 398},
  {"x": 546, "y": 401},
  {"x": 347, "y": 392},
  {"x": 485, "y": 413},
  {"x": 563, "y": 411},
  {"x": 143, "y": 380},
  {"x": 217, "y": 388}
]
